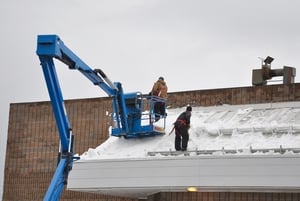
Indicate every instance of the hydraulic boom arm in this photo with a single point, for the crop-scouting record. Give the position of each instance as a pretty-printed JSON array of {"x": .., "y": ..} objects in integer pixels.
[{"x": 127, "y": 108}]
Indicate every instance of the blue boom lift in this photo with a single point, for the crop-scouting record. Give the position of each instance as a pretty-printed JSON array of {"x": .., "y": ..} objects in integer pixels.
[{"x": 129, "y": 115}]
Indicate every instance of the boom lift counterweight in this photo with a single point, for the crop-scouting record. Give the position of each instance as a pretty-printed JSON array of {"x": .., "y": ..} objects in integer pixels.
[{"x": 130, "y": 116}]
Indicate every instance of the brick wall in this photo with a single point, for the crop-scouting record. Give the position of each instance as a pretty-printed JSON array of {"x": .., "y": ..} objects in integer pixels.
[
  {"x": 236, "y": 96},
  {"x": 224, "y": 196},
  {"x": 32, "y": 145},
  {"x": 32, "y": 142}
]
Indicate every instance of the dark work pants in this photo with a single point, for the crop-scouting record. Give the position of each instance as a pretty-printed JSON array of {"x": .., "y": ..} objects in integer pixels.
[
  {"x": 181, "y": 138},
  {"x": 159, "y": 109}
]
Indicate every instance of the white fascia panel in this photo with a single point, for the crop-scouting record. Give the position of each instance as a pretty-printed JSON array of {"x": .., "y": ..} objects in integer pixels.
[{"x": 141, "y": 177}]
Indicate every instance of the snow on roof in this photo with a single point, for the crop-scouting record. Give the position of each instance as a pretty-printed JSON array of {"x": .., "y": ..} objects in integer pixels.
[{"x": 250, "y": 129}]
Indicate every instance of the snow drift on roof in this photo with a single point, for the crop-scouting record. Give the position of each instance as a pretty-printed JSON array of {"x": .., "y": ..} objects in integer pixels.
[{"x": 272, "y": 128}]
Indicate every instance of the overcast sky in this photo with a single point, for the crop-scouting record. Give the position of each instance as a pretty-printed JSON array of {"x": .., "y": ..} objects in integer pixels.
[{"x": 194, "y": 44}]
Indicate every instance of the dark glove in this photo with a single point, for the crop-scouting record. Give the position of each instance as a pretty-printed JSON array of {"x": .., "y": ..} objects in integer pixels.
[{"x": 188, "y": 126}]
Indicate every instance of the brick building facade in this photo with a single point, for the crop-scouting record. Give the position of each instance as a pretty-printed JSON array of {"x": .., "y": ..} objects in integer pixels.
[{"x": 32, "y": 142}]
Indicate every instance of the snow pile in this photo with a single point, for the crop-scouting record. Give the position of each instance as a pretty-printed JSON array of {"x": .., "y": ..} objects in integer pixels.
[{"x": 242, "y": 127}]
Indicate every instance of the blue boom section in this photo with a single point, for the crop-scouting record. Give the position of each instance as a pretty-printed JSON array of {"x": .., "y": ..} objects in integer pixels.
[{"x": 128, "y": 116}]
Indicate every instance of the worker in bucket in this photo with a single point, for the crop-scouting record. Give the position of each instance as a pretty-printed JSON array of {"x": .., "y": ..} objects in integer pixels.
[
  {"x": 182, "y": 126},
  {"x": 160, "y": 89}
]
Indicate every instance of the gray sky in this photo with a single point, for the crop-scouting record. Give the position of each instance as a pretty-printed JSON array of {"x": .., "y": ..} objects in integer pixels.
[{"x": 194, "y": 44}]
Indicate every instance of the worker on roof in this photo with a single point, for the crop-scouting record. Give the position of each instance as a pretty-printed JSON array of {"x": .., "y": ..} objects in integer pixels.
[
  {"x": 182, "y": 126},
  {"x": 160, "y": 89}
]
